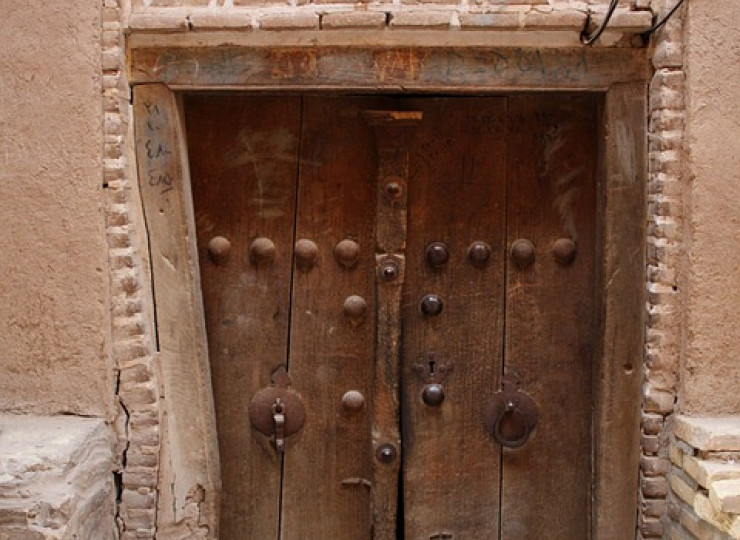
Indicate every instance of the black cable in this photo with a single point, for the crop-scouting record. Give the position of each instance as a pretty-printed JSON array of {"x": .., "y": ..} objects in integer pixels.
[
  {"x": 587, "y": 39},
  {"x": 664, "y": 20}
]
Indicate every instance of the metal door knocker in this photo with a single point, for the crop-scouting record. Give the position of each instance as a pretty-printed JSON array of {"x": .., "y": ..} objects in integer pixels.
[
  {"x": 277, "y": 411},
  {"x": 511, "y": 415}
]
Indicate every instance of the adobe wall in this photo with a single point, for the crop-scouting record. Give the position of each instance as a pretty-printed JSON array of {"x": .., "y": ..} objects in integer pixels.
[
  {"x": 709, "y": 384},
  {"x": 55, "y": 332}
]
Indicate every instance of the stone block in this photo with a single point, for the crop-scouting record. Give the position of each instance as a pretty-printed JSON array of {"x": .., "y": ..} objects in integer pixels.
[
  {"x": 725, "y": 495},
  {"x": 353, "y": 19},
  {"x": 420, "y": 19},
  {"x": 626, "y": 21},
  {"x": 486, "y": 21},
  {"x": 654, "y": 465},
  {"x": 165, "y": 20},
  {"x": 289, "y": 21},
  {"x": 220, "y": 20},
  {"x": 682, "y": 486},
  {"x": 710, "y": 434},
  {"x": 556, "y": 20},
  {"x": 705, "y": 471},
  {"x": 56, "y": 478},
  {"x": 709, "y": 514}
]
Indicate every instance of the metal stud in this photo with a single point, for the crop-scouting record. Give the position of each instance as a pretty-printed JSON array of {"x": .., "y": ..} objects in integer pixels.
[
  {"x": 479, "y": 253},
  {"x": 347, "y": 252},
  {"x": 522, "y": 251},
  {"x": 353, "y": 401},
  {"x": 437, "y": 254},
  {"x": 394, "y": 188},
  {"x": 431, "y": 305},
  {"x": 355, "y": 309},
  {"x": 386, "y": 453},
  {"x": 218, "y": 249},
  {"x": 564, "y": 251},
  {"x": 433, "y": 395},
  {"x": 389, "y": 270},
  {"x": 262, "y": 250},
  {"x": 306, "y": 252}
]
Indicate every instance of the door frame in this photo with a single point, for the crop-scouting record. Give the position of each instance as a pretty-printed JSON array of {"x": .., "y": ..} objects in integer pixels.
[{"x": 160, "y": 72}]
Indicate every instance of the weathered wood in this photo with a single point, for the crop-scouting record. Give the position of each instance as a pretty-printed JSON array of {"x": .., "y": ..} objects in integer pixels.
[
  {"x": 550, "y": 314},
  {"x": 189, "y": 447},
  {"x": 328, "y": 470},
  {"x": 243, "y": 155},
  {"x": 477, "y": 69},
  {"x": 458, "y": 196},
  {"x": 393, "y": 133},
  {"x": 621, "y": 267}
]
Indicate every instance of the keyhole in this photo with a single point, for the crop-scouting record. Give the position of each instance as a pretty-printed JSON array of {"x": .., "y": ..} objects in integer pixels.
[{"x": 431, "y": 369}]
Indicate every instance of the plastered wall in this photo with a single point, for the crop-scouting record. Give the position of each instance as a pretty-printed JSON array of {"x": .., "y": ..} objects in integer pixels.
[
  {"x": 709, "y": 382},
  {"x": 54, "y": 322}
]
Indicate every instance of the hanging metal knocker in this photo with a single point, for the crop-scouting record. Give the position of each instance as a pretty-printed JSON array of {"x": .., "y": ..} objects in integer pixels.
[
  {"x": 511, "y": 415},
  {"x": 277, "y": 411}
]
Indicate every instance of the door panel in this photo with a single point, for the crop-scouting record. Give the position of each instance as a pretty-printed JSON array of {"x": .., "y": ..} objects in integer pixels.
[
  {"x": 457, "y": 197},
  {"x": 550, "y": 314},
  {"x": 243, "y": 155},
  {"x": 326, "y": 492},
  {"x": 485, "y": 171}
]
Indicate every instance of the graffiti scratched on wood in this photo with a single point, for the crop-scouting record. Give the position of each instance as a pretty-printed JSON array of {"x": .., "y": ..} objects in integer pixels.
[{"x": 378, "y": 67}]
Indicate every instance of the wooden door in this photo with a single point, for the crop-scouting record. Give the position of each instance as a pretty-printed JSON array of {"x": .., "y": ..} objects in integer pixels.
[{"x": 304, "y": 208}]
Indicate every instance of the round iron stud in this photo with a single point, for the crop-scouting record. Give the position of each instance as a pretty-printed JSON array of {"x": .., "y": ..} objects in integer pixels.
[
  {"x": 433, "y": 395},
  {"x": 353, "y": 401},
  {"x": 522, "y": 251},
  {"x": 355, "y": 308},
  {"x": 347, "y": 252},
  {"x": 437, "y": 254},
  {"x": 394, "y": 188},
  {"x": 564, "y": 251},
  {"x": 218, "y": 249},
  {"x": 306, "y": 252},
  {"x": 262, "y": 250},
  {"x": 386, "y": 453},
  {"x": 479, "y": 253},
  {"x": 431, "y": 305},
  {"x": 389, "y": 270}
]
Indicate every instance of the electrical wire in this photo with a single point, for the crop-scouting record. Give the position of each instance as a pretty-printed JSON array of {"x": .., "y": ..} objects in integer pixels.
[
  {"x": 587, "y": 39},
  {"x": 664, "y": 20}
]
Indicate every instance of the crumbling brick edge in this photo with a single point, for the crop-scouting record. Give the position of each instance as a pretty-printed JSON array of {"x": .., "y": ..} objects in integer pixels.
[
  {"x": 134, "y": 347},
  {"x": 665, "y": 324}
]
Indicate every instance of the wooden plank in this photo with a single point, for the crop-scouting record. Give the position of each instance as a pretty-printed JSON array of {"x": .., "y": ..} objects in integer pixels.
[
  {"x": 393, "y": 136},
  {"x": 621, "y": 268},
  {"x": 550, "y": 314},
  {"x": 478, "y": 69},
  {"x": 457, "y": 194},
  {"x": 243, "y": 158},
  {"x": 328, "y": 471},
  {"x": 165, "y": 192}
]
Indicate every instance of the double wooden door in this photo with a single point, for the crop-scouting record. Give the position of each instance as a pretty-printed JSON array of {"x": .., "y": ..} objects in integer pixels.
[{"x": 402, "y": 290}]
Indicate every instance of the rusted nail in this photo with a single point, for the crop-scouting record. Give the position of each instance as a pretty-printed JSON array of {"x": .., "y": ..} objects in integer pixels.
[
  {"x": 522, "y": 251},
  {"x": 347, "y": 252},
  {"x": 431, "y": 305},
  {"x": 437, "y": 254},
  {"x": 262, "y": 250},
  {"x": 564, "y": 251},
  {"x": 355, "y": 308},
  {"x": 353, "y": 401},
  {"x": 389, "y": 270},
  {"x": 306, "y": 252},
  {"x": 218, "y": 249},
  {"x": 479, "y": 253},
  {"x": 386, "y": 453}
]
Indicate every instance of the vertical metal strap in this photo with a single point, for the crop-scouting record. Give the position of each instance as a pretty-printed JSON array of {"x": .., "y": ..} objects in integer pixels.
[{"x": 392, "y": 135}]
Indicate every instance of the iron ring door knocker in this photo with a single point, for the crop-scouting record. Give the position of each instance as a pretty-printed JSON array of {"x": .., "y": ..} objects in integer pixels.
[{"x": 511, "y": 415}]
